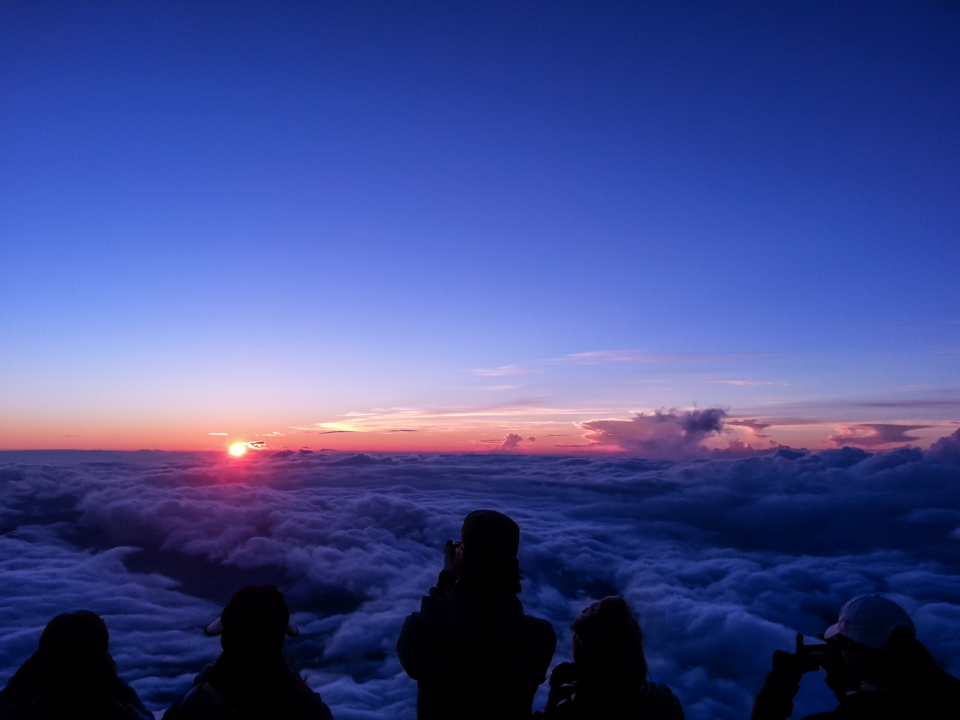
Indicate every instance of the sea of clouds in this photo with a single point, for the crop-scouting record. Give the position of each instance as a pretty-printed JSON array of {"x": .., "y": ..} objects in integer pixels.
[{"x": 723, "y": 560}]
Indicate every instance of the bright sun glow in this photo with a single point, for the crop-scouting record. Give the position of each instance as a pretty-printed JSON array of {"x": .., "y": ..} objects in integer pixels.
[{"x": 238, "y": 449}]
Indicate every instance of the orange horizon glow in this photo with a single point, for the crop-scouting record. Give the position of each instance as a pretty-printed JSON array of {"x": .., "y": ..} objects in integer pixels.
[{"x": 554, "y": 437}]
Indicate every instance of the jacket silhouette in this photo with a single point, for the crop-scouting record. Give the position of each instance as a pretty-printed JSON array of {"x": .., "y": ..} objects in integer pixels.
[
  {"x": 251, "y": 678},
  {"x": 71, "y": 675},
  {"x": 471, "y": 649}
]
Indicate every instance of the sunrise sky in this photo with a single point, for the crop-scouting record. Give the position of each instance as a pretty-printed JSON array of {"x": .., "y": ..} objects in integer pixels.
[{"x": 462, "y": 227}]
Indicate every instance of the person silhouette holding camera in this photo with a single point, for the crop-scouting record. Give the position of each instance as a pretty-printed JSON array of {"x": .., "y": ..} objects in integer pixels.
[
  {"x": 607, "y": 679},
  {"x": 874, "y": 664},
  {"x": 471, "y": 649}
]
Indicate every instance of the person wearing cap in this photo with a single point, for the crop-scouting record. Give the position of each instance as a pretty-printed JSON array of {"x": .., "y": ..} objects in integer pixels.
[
  {"x": 471, "y": 649},
  {"x": 608, "y": 675},
  {"x": 874, "y": 664},
  {"x": 252, "y": 678},
  {"x": 72, "y": 674}
]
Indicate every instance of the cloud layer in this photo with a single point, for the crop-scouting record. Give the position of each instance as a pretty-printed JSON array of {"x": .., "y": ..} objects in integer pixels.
[{"x": 722, "y": 559}]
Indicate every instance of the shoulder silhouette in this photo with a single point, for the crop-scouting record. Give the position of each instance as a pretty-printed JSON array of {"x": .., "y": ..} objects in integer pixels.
[
  {"x": 471, "y": 649},
  {"x": 252, "y": 678},
  {"x": 71, "y": 675}
]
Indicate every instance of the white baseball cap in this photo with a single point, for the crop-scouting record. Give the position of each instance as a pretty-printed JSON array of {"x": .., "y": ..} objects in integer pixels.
[{"x": 869, "y": 620}]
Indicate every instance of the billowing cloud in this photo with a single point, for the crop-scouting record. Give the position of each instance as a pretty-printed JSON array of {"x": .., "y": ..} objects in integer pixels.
[
  {"x": 870, "y": 435},
  {"x": 512, "y": 442},
  {"x": 947, "y": 448},
  {"x": 724, "y": 560},
  {"x": 661, "y": 435}
]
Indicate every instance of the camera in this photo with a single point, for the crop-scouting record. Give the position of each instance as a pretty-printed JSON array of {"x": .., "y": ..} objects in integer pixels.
[{"x": 811, "y": 657}]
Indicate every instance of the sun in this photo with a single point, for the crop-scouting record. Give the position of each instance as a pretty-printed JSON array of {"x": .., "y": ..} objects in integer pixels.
[{"x": 238, "y": 449}]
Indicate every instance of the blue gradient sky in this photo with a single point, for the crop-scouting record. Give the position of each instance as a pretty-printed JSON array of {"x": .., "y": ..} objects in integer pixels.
[{"x": 257, "y": 218}]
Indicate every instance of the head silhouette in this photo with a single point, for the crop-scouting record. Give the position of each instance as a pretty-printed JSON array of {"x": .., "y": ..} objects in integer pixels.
[
  {"x": 608, "y": 645},
  {"x": 489, "y": 552},
  {"x": 254, "y": 622},
  {"x": 76, "y": 664},
  {"x": 879, "y": 643},
  {"x": 869, "y": 620}
]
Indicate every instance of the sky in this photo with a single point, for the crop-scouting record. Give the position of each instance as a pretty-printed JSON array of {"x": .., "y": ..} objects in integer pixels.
[
  {"x": 673, "y": 284},
  {"x": 723, "y": 560},
  {"x": 465, "y": 227}
]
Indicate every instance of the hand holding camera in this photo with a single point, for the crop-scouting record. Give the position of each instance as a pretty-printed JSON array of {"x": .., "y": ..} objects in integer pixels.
[
  {"x": 811, "y": 658},
  {"x": 807, "y": 658}
]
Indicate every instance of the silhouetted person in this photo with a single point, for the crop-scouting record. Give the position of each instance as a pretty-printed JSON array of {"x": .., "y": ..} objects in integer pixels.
[
  {"x": 471, "y": 649},
  {"x": 251, "y": 678},
  {"x": 875, "y": 666},
  {"x": 607, "y": 679},
  {"x": 71, "y": 675}
]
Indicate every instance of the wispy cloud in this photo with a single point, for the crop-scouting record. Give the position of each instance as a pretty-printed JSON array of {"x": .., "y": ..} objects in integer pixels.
[
  {"x": 435, "y": 418},
  {"x": 216, "y": 433},
  {"x": 600, "y": 357},
  {"x": 528, "y": 416},
  {"x": 875, "y": 434},
  {"x": 639, "y": 356},
  {"x": 933, "y": 399},
  {"x": 502, "y": 371},
  {"x": 743, "y": 382},
  {"x": 755, "y": 426},
  {"x": 904, "y": 404}
]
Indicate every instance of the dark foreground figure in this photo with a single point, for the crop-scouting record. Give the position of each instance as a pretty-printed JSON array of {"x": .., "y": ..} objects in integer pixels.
[
  {"x": 251, "y": 678},
  {"x": 875, "y": 666},
  {"x": 71, "y": 675},
  {"x": 471, "y": 649},
  {"x": 607, "y": 679}
]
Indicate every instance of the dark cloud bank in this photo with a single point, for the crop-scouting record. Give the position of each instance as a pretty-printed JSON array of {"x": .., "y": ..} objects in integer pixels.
[{"x": 723, "y": 559}]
